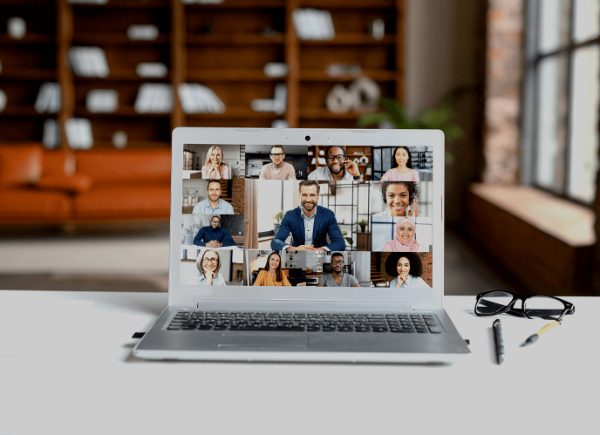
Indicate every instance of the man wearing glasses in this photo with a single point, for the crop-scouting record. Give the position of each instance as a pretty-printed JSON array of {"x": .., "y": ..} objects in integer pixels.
[
  {"x": 213, "y": 204},
  {"x": 338, "y": 168},
  {"x": 338, "y": 278},
  {"x": 278, "y": 170},
  {"x": 213, "y": 236}
]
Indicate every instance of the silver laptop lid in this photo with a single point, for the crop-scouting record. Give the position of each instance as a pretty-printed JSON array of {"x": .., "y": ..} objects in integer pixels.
[{"x": 246, "y": 208}]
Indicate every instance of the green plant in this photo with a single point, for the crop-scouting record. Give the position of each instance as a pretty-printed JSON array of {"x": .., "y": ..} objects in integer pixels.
[
  {"x": 278, "y": 217},
  {"x": 440, "y": 118},
  {"x": 362, "y": 223},
  {"x": 347, "y": 239}
]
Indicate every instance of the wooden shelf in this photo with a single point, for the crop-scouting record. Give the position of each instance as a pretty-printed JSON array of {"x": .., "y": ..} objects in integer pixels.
[
  {"x": 103, "y": 39},
  {"x": 229, "y": 59},
  {"x": 322, "y": 113},
  {"x": 322, "y": 76},
  {"x": 126, "y": 4},
  {"x": 231, "y": 75},
  {"x": 125, "y": 111},
  {"x": 28, "y": 74},
  {"x": 133, "y": 145},
  {"x": 235, "y": 39},
  {"x": 122, "y": 75},
  {"x": 29, "y": 38},
  {"x": 23, "y": 111},
  {"x": 352, "y": 39},
  {"x": 235, "y": 112}
]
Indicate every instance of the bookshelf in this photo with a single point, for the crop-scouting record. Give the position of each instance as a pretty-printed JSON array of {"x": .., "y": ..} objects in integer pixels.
[{"x": 222, "y": 46}]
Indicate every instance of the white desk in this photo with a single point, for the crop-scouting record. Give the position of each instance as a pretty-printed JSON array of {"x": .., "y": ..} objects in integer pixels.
[{"x": 74, "y": 373}]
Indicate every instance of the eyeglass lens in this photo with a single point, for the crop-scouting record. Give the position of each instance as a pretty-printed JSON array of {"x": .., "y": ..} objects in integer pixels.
[
  {"x": 538, "y": 306},
  {"x": 337, "y": 262},
  {"x": 339, "y": 157},
  {"x": 212, "y": 260},
  {"x": 277, "y": 155},
  {"x": 493, "y": 302}
]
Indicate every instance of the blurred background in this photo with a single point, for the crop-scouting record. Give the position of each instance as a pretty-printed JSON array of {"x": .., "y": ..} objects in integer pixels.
[{"x": 90, "y": 91}]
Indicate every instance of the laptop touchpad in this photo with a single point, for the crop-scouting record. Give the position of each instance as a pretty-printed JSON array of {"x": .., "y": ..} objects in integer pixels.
[{"x": 264, "y": 341}]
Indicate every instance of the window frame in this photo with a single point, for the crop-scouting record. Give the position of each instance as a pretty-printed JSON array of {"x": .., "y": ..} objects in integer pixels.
[{"x": 530, "y": 98}]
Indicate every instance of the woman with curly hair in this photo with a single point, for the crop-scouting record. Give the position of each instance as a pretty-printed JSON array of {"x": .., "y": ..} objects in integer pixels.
[
  {"x": 407, "y": 268},
  {"x": 401, "y": 167},
  {"x": 400, "y": 198}
]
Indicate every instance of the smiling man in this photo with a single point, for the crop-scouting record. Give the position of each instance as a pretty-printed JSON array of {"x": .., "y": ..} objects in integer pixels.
[
  {"x": 338, "y": 168},
  {"x": 310, "y": 224},
  {"x": 213, "y": 204},
  {"x": 338, "y": 278},
  {"x": 213, "y": 236},
  {"x": 278, "y": 170}
]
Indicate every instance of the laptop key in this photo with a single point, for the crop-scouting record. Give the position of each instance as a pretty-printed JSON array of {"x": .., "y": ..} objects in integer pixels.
[
  {"x": 188, "y": 328},
  {"x": 435, "y": 329}
]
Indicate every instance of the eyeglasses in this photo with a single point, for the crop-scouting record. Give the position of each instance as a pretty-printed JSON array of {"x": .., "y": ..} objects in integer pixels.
[
  {"x": 337, "y": 262},
  {"x": 339, "y": 157},
  {"x": 215, "y": 222},
  {"x": 209, "y": 260},
  {"x": 276, "y": 155},
  {"x": 500, "y": 302}
]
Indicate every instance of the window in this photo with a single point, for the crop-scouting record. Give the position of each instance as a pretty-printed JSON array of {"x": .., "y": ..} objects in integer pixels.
[{"x": 561, "y": 95}]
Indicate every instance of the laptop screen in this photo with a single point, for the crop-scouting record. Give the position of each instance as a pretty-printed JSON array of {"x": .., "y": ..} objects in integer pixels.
[{"x": 307, "y": 216}]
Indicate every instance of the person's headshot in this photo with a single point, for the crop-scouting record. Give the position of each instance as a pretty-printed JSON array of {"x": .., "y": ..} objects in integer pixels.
[
  {"x": 213, "y": 204},
  {"x": 208, "y": 265},
  {"x": 404, "y": 239},
  {"x": 213, "y": 236},
  {"x": 407, "y": 269},
  {"x": 272, "y": 275},
  {"x": 214, "y": 168},
  {"x": 310, "y": 224},
  {"x": 338, "y": 168},
  {"x": 338, "y": 278},
  {"x": 402, "y": 168},
  {"x": 400, "y": 198},
  {"x": 277, "y": 169}
]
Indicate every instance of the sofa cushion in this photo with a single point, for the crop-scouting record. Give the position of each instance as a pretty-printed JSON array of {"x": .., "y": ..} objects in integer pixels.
[
  {"x": 115, "y": 167},
  {"x": 149, "y": 201},
  {"x": 31, "y": 205},
  {"x": 20, "y": 165},
  {"x": 58, "y": 162},
  {"x": 71, "y": 183}
]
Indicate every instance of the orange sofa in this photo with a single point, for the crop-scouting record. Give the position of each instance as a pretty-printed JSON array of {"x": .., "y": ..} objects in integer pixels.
[{"x": 61, "y": 186}]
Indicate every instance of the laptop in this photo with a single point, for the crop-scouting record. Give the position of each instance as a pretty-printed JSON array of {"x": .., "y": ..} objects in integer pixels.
[{"x": 363, "y": 248}]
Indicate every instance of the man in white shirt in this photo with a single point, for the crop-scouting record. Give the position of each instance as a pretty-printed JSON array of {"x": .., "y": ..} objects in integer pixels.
[
  {"x": 213, "y": 204},
  {"x": 338, "y": 168},
  {"x": 278, "y": 170}
]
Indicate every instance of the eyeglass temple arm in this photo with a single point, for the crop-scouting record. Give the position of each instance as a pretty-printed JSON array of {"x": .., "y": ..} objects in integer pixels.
[{"x": 535, "y": 313}]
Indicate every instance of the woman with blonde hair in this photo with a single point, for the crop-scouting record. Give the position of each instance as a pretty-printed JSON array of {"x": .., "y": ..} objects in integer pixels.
[
  {"x": 272, "y": 275},
  {"x": 214, "y": 168}
]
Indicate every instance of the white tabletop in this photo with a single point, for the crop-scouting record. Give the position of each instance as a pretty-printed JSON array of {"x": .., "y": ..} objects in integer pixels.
[{"x": 66, "y": 367}]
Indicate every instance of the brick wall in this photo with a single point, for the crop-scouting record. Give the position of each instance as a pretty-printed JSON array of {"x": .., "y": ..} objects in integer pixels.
[
  {"x": 503, "y": 91},
  {"x": 238, "y": 195},
  {"x": 427, "y": 260}
]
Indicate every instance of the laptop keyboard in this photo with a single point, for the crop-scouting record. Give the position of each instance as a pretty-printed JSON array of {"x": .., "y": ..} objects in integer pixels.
[{"x": 325, "y": 322}]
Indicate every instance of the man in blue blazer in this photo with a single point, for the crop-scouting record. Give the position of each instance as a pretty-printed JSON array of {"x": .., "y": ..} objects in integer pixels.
[{"x": 310, "y": 224}]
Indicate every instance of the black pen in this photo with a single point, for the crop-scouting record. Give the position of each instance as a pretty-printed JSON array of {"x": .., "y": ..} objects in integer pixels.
[{"x": 497, "y": 325}]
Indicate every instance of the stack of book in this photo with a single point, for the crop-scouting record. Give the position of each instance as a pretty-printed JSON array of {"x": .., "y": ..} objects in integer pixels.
[
  {"x": 49, "y": 98},
  {"x": 196, "y": 98},
  {"x": 79, "y": 133},
  {"x": 102, "y": 101},
  {"x": 88, "y": 62},
  {"x": 154, "y": 98},
  {"x": 277, "y": 105},
  {"x": 51, "y": 135},
  {"x": 313, "y": 24}
]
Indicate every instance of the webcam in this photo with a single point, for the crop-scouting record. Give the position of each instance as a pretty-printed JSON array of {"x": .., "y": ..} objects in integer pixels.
[{"x": 307, "y": 138}]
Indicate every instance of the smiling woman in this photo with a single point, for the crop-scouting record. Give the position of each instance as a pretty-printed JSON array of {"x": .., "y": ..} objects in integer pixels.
[
  {"x": 400, "y": 198},
  {"x": 404, "y": 241},
  {"x": 402, "y": 168}
]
